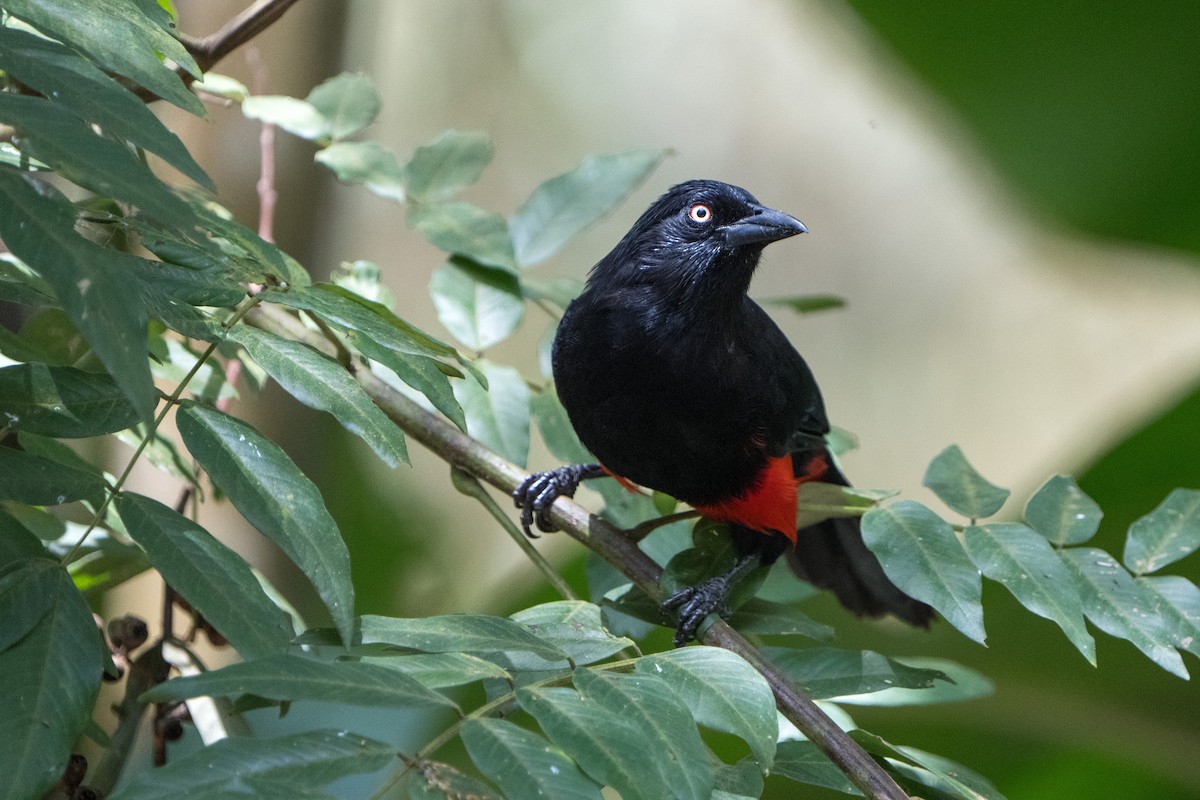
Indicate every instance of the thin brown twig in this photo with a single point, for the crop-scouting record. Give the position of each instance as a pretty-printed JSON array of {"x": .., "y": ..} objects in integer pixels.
[{"x": 464, "y": 453}]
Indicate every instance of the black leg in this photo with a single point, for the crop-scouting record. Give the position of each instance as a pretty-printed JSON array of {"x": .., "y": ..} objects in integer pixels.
[
  {"x": 695, "y": 603},
  {"x": 538, "y": 492}
]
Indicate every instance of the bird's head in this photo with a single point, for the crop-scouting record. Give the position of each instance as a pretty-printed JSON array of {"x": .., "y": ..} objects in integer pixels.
[{"x": 702, "y": 239}]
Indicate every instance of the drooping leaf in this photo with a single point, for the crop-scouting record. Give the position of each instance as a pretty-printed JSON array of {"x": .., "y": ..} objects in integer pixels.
[
  {"x": 465, "y": 229},
  {"x": 59, "y": 73},
  {"x": 41, "y": 481},
  {"x": 959, "y": 486},
  {"x": 321, "y": 383},
  {"x": 479, "y": 305},
  {"x": 421, "y": 374},
  {"x": 723, "y": 692},
  {"x": 1062, "y": 512},
  {"x": 960, "y": 683},
  {"x": 1026, "y": 564},
  {"x": 454, "y": 633},
  {"x": 825, "y": 672},
  {"x": 57, "y": 664},
  {"x": 928, "y": 770},
  {"x": 349, "y": 101},
  {"x": 296, "y": 761},
  {"x": 63, "y": 401},
  {"x": 125, "y": 36},
  {"x": 288, "y": 677},
  {"x": 276, "y": 498},
  {"x": 38, "y": 225},
  {"x": 606, "y": 745},
  {"x": 524, "y": 764},
  {"x": 921, "y": 554},
  {"x": 1119, "y": 606},
  {"x": 368, "y": 163},
  {"x": 499, "y": 415},
  {"x": 564, "y": 205},
  {"x": 215, "y": 581},
  {"x": 1166, "y": 534},
  {"x": 452, "y": 162},
  {"x": 653, "y": 705}
]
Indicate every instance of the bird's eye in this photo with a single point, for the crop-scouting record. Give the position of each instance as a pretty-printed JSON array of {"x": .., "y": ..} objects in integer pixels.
[{"x": 700, "y": 213}]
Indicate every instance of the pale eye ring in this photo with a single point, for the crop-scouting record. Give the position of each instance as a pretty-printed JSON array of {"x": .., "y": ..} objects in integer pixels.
[{"x": 700, "y": 213}]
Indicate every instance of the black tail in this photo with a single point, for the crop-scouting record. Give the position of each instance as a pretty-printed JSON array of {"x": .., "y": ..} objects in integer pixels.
[{"x": 832, "y": 555}]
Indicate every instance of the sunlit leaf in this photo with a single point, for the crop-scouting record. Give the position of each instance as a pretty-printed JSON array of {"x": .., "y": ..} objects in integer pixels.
[
  {"x": 349, "y": 101},
  {"x": 368, "y": 163},
  {"x": 297, "y": 117},
  {"x": 479, "y": 305}
]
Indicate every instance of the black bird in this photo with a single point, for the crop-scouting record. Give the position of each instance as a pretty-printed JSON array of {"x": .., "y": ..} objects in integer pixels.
[{"x": 677, "y": 381}]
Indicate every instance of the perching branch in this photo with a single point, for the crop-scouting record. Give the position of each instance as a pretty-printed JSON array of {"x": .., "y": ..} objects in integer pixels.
[
  {"x": 611, "y": 544},
  {"x": 235, "y": 33}
]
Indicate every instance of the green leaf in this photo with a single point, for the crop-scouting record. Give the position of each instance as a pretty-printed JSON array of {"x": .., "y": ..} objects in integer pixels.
[
  {"x": 215, "y": 580},
  {"x": 421, "y": 374},
  {"x": 54, "y": 674},
  {"x": 556, "y": 429},
  {"x": 1166, "y": 534},
  {"x": 825, "y": 672},
  {"x": 368, "y": 163},
  {"x": 275, "y": 497},
  {"x": 452, "y": 162},
  {"x": 371, "y": 320},
  {"x": 222, "y": 86},
  {"x": 654, "y": 706},
  {"x": 63, "y": 401},
  {"x": 1121, "y": 607},
  {"x": 454, "y": 633},
  {"x": 1178, "y": 603},
  {"x": 564, "y": 205},
  {"x": 959, "y": 486},
  {"x": 287, "y": 677},
  {"x": 441, "y": 670},
  {"x": 778, "y": 619},
  {"x": 499, "y": 415},
  {"x": 921, "y": 554},
  {"x": 297, "y": 117},
  {"x": 464, "y": 229},
  {"x": 803, "y": 762},
  {"x": 524, "y": 764},
  {"x": 1062, "y": 512},
  {"x": 433, "y": 780},
  {"x": 479, "y": 305},
  {"x": 723, "y": 692},
  {"x": 298, "y": 761},
  {"x": 349, "y": 101},
  {"x": 321, "y": 383},
  {"x": 59, "y": 73},
  {"x": 573, "y": 626},
  {"x": 606, "y": 745},
  {"x": 124, "y": 36},
  {"x": 807, "y": 304},
  {"x": 40, "y": 481},
  {"x": 737, "y": 781},
  {"x": 957, "y": 684},
  {"x": 27, "y": 589},
  {"x": 17, "y": 542},
  {"x": 1026, "y": 564},
  {"x": 68, "y": 144},
  {"x": 817, "y": 501},
  {"x": 928, "y": 770},
  {"x": 38, "y": 225}
]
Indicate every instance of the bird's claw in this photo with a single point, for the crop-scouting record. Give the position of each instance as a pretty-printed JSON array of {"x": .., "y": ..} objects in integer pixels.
[
  {"x": 694, "y": 604},
  {"x": 537, "y": 494}
]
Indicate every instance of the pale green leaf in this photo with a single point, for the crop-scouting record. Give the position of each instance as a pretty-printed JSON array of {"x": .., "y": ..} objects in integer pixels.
[
  {"x": 349, "y": 101},
  {"x": 1062, "y": 513},
  {"x": 297, "y": 117},
  {"x": 368, "y": 163},
  {"x": 479, "y": 305},
  {"x": 1026, "y": 564},
  {"x": 574, "y": 627},
  {"x": 461, "y": 228},
  {"x": 959, "y": 486},
  {"x": 1179, "y": 605},
  {"x": 452, "y": 162},
  {"x": 564, "y": 205},
  {"x": 276, "y": 498},
  {"x": 1119, "y": 606},
  {"x": 807, "y": 304},
  {"x": 1165, "y": 535},
  {"x": 441, "y": 670},
  {"x": 453, "y": 633},
  {"x": 921, "y": 554},
  {"x": 499, "y": 415}
]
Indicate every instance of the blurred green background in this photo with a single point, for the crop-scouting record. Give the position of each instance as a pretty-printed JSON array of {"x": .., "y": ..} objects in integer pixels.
[{"x": 1007, "y": 195}]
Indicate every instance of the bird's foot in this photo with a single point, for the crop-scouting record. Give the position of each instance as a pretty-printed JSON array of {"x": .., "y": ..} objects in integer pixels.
[
  {"x": 538, "y": 492},
  {"x": 695, "y": 603}
]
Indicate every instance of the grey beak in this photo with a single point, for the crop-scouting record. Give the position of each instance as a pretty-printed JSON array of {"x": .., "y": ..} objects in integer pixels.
[{"x": 761, "y": 227}]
